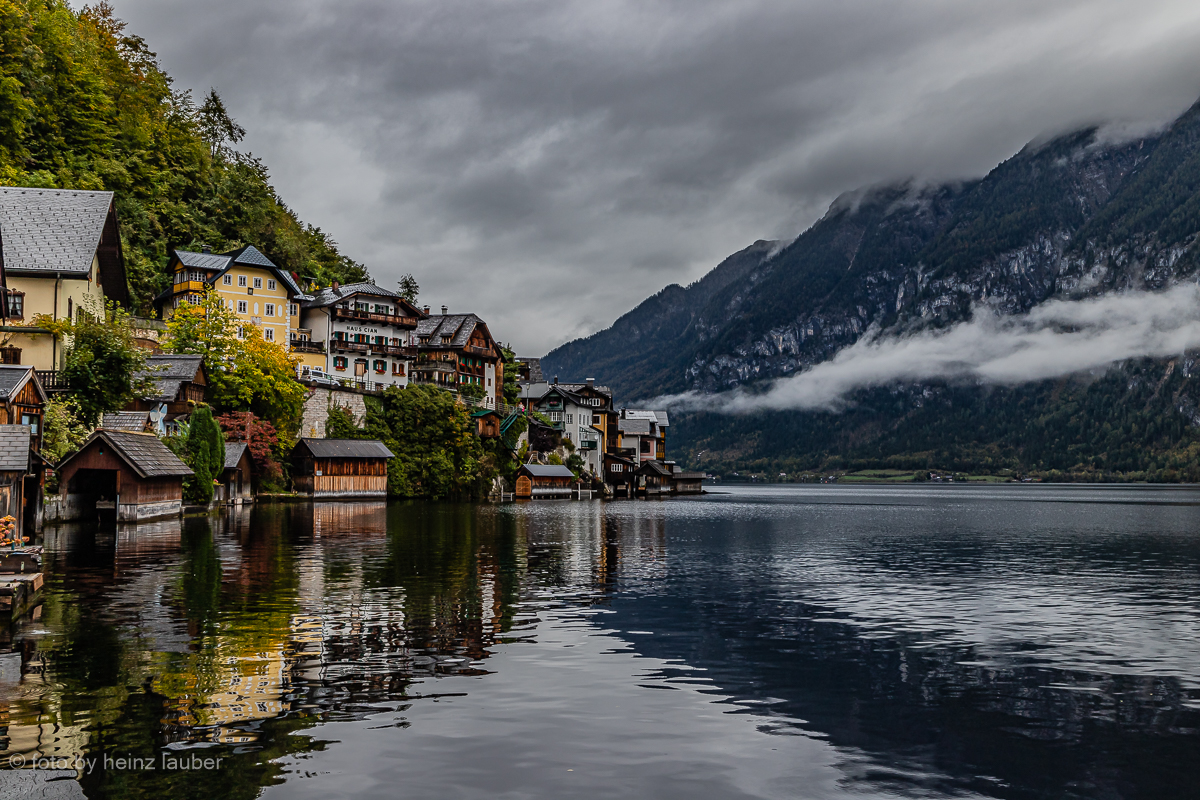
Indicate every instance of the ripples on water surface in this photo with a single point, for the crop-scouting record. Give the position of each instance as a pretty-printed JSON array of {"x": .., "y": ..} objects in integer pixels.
[{"x": 1014, "y": 641}]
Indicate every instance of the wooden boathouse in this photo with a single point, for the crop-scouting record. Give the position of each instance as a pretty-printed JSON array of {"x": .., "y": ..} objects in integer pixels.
[
  {"x": 544, "y": 480},
  {"x": 236, "y": 478},
  {"x": 328, "y": 468},
  {"x": 133, "y": 473},
  {"x": 16, "y": 464}
]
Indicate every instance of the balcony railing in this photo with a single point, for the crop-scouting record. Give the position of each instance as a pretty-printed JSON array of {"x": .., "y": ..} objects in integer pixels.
[
  {"x": 52, "y": 380},
  {"x": 353, "y": 347},
  {"x": 305, "y": 346},
  {"x": 370, "y": 316},
  {"x": 479, "y": 351}
]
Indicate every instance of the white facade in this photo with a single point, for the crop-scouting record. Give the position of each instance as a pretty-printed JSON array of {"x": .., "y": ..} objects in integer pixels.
[{"x": 360, "y": 349}]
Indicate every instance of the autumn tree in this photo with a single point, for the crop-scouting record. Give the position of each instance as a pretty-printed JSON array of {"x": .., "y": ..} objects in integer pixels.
[{"x": 261, "y": 440}]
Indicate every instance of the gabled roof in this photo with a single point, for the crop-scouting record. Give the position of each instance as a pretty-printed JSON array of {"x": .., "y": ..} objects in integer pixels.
[
  {"x": 169, "y": 373},
  {"x": 142, "y": 452},
  {"x": 630, "y": 413},
  {"x": 634, "y": 427},
  {"x": 655, "y": 468},
  {"x": 233, "y": 454},
  {"x": 458, "y": 327},
  {"x": 14, "y": 447},
  {"x": 346, "y": 448},
  {"x": 221, "y": 263},
  {"x": 547, "y": 471},
  {"x": 13, "y": 378},
  {"x": 125, "y": 421},
  {"x": 329, "y": 296},
  {"x": 51, "y": 230},
  {"x": 485, "y": 412}
]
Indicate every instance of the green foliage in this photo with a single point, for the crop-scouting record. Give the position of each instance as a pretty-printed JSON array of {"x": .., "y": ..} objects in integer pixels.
[
  {"x": 576, "y": 464},
  {"x": 510, "y": 389},
  {"x": 245, "y": 372},
  {"x": 85, "y": 105},
  {"x": 432, "y": 435},
  {"x": 206, "y": 455},
  {"x": 472, "y": 391},
  {"x": 408, "y": 288},
  {"x": 63, "y": 428},
  {"x": 266, "y": 449},
  {"x": 340, "y": 424},
  {"x": 101, "y": 359}
]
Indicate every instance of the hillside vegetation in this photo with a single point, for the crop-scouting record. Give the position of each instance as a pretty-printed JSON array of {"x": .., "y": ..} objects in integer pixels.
[{"x": 85, "y": 105}]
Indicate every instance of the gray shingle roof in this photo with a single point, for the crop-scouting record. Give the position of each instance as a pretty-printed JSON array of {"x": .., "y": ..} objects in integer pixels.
[
  {"x": 548, "y": 471},
  {"x": 458, "y": 327},
  {"x": 347, "y": 448},
  {"x": 233, "y": 454},
  {"x": 328, "y": 296},
  {"x": 169, "y": 373},
  {"x": 51, "y": 230},
  {"x": 213, "y": 261},
  {"x": 143, "y": 452},
  {"x": 12, "y": 378},
  {"x": 14, "y": 447},
  {"x": 251, "y": 256},
  {"x": 634, "y": 427},
  {"x": 125, "y": 421}
]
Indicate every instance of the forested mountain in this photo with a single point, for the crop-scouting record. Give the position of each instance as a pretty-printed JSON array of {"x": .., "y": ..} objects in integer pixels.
[
  {"x": 1071, "y": 217},
  {"x": 85, "y": 105}
]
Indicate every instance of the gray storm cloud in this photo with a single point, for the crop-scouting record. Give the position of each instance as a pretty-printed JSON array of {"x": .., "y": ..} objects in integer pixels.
[
  {"x": 549, "y": 164},
  {"x": 1055, "y": 339}
]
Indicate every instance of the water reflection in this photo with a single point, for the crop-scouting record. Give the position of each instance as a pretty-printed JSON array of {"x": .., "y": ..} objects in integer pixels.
[{"x": 870, "y": 641}]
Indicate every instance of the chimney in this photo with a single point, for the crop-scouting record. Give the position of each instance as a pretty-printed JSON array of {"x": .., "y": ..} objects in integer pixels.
[
  {"x": 445, "y": 311},
  {"x": 205, "y": 248},
  {"x": 336, "y": 286},
  {"x": 556, "y": 380},
  {"x": 591, "y": 383},
  {"x": 426, "y": 310}
]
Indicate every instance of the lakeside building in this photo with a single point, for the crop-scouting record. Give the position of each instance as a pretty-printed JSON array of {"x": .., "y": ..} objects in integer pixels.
[
  {"x": 457, "y": 350},
  {"x": 132, "y": 473},
  {"x": 22, "y": 400},
  {"x": 581, "y": 412},
  {"x": 643, "y": 435},
  {"x": 179, "y": 384},
  {"x": 236, "y": 475},
  {"x": 20, "y": 477},
  {"x": 360, "y": 331},
  {"x": 544, "y": 480},
  {"x": 250, "y": 285},
  {"x": 327, "y": 468},
  {"x": 60, "y": 252}
]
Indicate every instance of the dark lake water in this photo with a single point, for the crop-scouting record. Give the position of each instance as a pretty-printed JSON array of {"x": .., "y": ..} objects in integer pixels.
[{"x": 807, "y": 642}]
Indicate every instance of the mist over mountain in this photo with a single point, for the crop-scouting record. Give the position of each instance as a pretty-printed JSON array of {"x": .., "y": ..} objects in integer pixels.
[{"x": 1082, "y": 215}]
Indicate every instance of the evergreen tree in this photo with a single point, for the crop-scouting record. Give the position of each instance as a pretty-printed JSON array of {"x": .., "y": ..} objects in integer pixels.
[{"x": 206, "y": 454}]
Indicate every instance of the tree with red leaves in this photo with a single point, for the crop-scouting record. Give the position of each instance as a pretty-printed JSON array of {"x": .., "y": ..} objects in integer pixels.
[{"x": 261, "y": 440}]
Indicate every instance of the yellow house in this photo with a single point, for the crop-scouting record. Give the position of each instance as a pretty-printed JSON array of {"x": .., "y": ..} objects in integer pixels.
[
  {"x": 60, "y": 250},
  {"x": 250, "y": 285}
]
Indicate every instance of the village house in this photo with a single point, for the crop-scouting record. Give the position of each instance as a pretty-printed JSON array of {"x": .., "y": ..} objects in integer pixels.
[
  {"x": 360, "y": 332},
  {"x": 20, "y": 477},
  {"x": 248, "y": 283},
  {"x": 581, "y": 412},
  {"x": 235, "y": 481},
  {"x": 22, "y": 400},
  {"x": 643, "y": 435},
  {"x": 544, "y": 481},
  {"x": 133, "y": 474},
  {"x": 179, "y": 383},
  {"x": 60, "y": 252},
  {"x": 457, "y": 350},
  {"x": 331, "y": 468}
]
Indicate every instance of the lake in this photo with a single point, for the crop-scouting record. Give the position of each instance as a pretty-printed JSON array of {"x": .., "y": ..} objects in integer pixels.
[{"x": 1007, "y": 641}]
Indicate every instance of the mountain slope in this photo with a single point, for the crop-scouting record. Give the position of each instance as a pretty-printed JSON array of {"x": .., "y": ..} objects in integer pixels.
[{"x": 1075, "y": 216}]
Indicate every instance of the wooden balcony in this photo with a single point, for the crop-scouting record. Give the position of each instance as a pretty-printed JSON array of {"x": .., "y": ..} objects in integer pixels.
[
  {"x": 305, "y": 346},
  {"x": 394, "y": 320},
  {"x": 184, "y": 287},
  {"x": 479, "y": 351},
  {"x": 353, "y": 347},
  {"x": 51, "y": 380}
]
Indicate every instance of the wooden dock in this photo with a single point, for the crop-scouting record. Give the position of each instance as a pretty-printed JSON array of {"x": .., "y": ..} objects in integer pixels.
[{"x": 20, "y": 582}]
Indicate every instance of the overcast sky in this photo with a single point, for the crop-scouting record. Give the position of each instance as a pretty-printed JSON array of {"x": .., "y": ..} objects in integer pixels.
[{"x": 549, "y": 164}]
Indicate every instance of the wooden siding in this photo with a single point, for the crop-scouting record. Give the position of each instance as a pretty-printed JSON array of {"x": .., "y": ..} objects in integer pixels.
[
  {"x": 341, "y": 485},
  {"x": 131, "y": 487}
]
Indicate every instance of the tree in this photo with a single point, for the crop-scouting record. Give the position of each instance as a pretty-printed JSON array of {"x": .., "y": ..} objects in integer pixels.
[
  {"x": 102, "y": 356},
  {"x": 511, "y": 389},
  {"x": 409, "y": 288},
  {"x": 245, "y": 372},
  {"x": 64, "y": 429},
  {"x": 216, "y": 126},
  {"x": 434, "y": 440},
  {"x": 471, "y": 391},
  {"x": 261, "y": 440},
  {"x": 206, "y": 455}
]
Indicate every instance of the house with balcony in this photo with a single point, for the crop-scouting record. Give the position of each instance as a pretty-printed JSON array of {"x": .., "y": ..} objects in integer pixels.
[
  {"x": 457, "y": 350},
  {"x": 177, "y": 383},
  {"x": 258, "y": 292},
  {"x": 60, "y": 251},
  {"x": 642, "y": 435},
  {"x": 582, "y": 412},
  {"x": 360, "y": 332}
]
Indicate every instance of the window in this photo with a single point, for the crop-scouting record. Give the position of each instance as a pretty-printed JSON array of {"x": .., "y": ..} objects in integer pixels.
[
  {"x": 293, "y": 309},
  {"x": 555, "y": 416},
  {"x": 270, "y": 334},
  {"x": 570, "y": 419},
  {"x": 241, "y": 333},
  {"x": 338, "y": 335},
  {"x": 269, "y": 309},
  {"x": 16, "y": 304},
  {"x": 616, "y": 468},
  {"x": 381, "y": 340},
  {"x": 397, "y": 368},
  {"x": 258, "y": 283},
  {"x": 270, "y": 283},
  {"x": 339, "y": 362},
  {"x": 595, "y": 419},
  {"x": 381, "y": 366},
  {"x": 241, "y": 280},
  {"x": 242, "y": 307},
  {"x": 227, "y": 280},
  {"x": 31, "y": 421}
]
